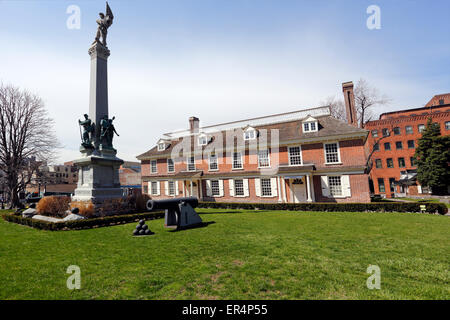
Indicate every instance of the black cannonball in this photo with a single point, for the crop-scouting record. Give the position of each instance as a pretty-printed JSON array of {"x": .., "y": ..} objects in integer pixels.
[
  {"x": 141, "y": 222},
  {"x": 75, "y": 210},
  {"x": 147, "y": 232},
  {"x": 141, "y": 232},
  {"x": 145, "y": 227},
  {"x": 138, "y": 227},
  {"x": 135, "y": 232}
]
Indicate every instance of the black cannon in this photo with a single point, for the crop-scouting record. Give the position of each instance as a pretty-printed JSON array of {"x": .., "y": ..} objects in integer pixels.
[{"x": 180, "y": 213}]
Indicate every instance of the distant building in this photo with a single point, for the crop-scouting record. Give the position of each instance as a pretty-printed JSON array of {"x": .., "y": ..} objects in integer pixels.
[
  {"x": 300, "y": 156},
  {"x": 130, "y": 176},
  {"x": 393, "y": 171},
  {"x": 54, "y": 178}
]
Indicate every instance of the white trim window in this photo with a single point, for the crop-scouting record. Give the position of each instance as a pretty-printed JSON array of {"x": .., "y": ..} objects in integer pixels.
[
  {"x": 310, "y": 124},
  {"x": 154, "y": 188},
  {"x": 170, "y": 165},
  {"x": 268, "y": 187},
  {"x": 331, "y": 151},
  {"x": 213, "y": 162},
  {"x": 161, "y": 146},
  {"x": 295, "y": 156},
  {"x": 171, "y": 186},
  {"x": 250, "y": 134},
  {"x": 239, "y": 190},
  {"x": 153, "y": 166},
  {"x": 191, "y": 163},
  {"x": 202, "y": 140},
  {"x": 263, "y": 158},
  {"x": 421, "y": 128},
  {"x": 215, "y": 188},
  {"x": 335, "y": 186},
  {"x": 447, "y": 125},
  {"x": 237, "y": 160}
]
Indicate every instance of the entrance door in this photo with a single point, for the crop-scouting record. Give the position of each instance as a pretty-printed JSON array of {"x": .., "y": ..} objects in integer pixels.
[
  {"x": 299, "y": 190},
  {"x": 194, "y": 189}
]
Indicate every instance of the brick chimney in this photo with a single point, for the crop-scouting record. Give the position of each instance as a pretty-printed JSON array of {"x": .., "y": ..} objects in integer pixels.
[
  {"x": 349, "y": 98},
  {"x": 194, "y": 124}
]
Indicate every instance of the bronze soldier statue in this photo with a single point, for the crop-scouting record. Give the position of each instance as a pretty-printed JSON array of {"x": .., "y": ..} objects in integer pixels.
[
  {"x": 107, "y": 130},
  {"x": 88, "y": 130},
  {"x": 104, "y": 23}
]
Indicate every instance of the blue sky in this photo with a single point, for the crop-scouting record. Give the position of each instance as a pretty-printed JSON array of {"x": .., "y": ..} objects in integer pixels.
[{"x": 220, "y": 60}]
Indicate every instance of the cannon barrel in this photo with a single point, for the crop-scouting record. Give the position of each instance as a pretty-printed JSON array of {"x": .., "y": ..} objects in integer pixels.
[{"x": 153, "y": 205}]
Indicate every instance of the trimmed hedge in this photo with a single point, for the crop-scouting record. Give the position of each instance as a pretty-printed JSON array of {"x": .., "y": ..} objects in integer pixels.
[
  {"x": 331, "y": 207},
  {"x": 82, "y": 224}
]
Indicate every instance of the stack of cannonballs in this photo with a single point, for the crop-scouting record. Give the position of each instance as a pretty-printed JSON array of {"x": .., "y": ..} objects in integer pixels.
[{"x": 142, "y": 229}]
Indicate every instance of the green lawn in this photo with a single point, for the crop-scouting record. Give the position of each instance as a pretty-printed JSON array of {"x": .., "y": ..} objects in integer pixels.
[{"x": 243, "y": 255}]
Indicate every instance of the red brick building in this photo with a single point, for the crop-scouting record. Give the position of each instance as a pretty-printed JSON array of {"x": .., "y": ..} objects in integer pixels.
[
  {"x": 394, "y": 140},
  {"x": 300, "y": 156}
]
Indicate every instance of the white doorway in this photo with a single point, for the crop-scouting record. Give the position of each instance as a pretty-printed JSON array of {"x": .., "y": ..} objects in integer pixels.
[{"x": 299, "y": 190}]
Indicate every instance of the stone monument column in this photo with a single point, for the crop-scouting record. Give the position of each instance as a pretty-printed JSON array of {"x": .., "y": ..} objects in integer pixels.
[{"x": 98, "y": 177}]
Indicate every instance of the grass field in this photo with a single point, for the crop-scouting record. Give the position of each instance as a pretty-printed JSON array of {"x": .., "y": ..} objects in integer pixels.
[{"x": 242, "y": 255}]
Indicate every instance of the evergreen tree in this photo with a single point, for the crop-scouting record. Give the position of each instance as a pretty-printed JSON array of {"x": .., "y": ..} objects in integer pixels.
[{"x": 433, "y": 158}]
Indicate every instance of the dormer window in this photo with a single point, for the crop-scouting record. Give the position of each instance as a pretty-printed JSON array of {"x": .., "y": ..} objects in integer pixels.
[
  {"x": 310, "y": 124},
  {"x": 161, "y": 146},
  {"x": 202, "y": 140},
  {"x": 249, "y": 133}
]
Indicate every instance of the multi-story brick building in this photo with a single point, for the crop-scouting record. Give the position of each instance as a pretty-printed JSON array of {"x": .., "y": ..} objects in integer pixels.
[
  {"x": 393, "y": 140},
  {"x": 300, "y": 156}
]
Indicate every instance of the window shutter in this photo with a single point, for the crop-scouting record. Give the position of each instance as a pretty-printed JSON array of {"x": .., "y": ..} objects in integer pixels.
[
  {"x": 258, "y": 187},
  {"x": 158, "y": 189},
  {"x": 220, "y": 188},
  {"x": 166, "y": 187},
  {"x": 231, "y": 185},
  {"x": 208, "y": 188},
  {"x": 273, "y": 185},
  {"x": 150, "y": 187},
  {"x": 324, "y": 182},
  {"x": 176, "y": 188},
  {"x": 246, "y": 193},
  {"x": 346, "y": 189}
]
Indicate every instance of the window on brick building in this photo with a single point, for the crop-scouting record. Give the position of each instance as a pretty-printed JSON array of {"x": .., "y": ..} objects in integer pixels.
[
  {"x": 295, "y": 156},
  {"x": 145, "y": 189},
  {"x": 215, "y": 188},
  {"x": 376, "y": 147},
  {"x": 266, "y": 187},
  {"x": 263, "y": 158},
  {"x": 171, "y": 185},
  {"x": 170, "y": 165},
  {"x": 335, "y": 185},
  {"x": 412, "y": 160},
  {"x": 401, "y": 162},
  {"x": 411, "y": 144},
  {"x": 397, "y": 131},
  {"x": 385, "y": 132},
  {"x": 154, "y": 186},
  {"x": 191, "y": 163},
  {"x": 381, "y": 185},
  {"x": 387, "y": 146},
  {"x": 398, "y": 145},
  {"x": 409, "y": 130},
  {"x": 331, "y": 153},
  {"x": 239, "y": 187},
  {"x": 378, "y": 164},
  {"x": 374, "y": 133},
  {"x": 447, "y": 125},
  {"x": 153, "y": 167},
  {"x": 441, "y": 102},
  {"x": 389, "y": 163},
  {"x": 213, "y": 164},
  {"x": 421, "y": 127},
  {"x": 392, "y": 184},
  {"x": 237, "y": 160}
]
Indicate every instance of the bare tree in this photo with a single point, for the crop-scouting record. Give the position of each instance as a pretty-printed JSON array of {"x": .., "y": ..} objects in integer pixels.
[
  {"x": 366, "y": 99},
  {"x": 26, "y": 138},
  {"x": 337, "y": 108}
]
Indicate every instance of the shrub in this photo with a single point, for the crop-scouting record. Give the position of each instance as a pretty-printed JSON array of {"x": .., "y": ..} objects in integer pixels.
[
  {"x": 315, "y": 206},
  {"x": 86, "y": 208},
  {"x": 55, "y": 206}
]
